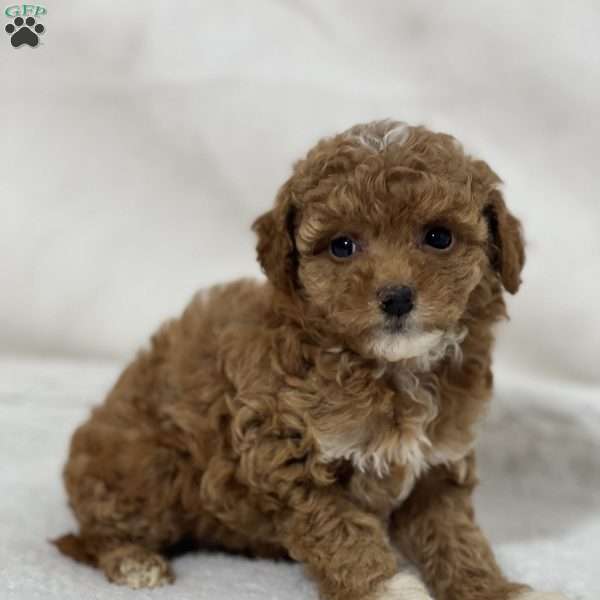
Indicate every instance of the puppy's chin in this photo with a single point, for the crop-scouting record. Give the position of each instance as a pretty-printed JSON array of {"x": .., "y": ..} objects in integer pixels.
[{"x": 402, "y": 345}]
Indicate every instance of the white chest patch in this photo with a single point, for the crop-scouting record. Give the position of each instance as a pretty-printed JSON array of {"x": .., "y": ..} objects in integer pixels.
[
  {"x": 405, "y": 443},
  {"x": 370, "y": 456}
]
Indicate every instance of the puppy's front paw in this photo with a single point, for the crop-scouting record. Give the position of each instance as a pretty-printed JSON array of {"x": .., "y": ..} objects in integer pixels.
[
  {"x": 531, "y": 595},
  {"x": 403, "y": 586}
]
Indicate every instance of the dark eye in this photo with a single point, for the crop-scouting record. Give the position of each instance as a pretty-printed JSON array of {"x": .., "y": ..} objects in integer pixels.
[
  {"x": 439, "y": 238},
  {"x": 342, "y": 247}
]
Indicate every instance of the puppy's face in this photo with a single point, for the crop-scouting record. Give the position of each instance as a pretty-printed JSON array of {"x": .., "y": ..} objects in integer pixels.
[
  {"x": 388, "y": 240},
  {"x": 393, "y": 271}
]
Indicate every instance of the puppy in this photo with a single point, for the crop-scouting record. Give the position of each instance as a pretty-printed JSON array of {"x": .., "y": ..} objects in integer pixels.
[{"x": 328, "y": 414}]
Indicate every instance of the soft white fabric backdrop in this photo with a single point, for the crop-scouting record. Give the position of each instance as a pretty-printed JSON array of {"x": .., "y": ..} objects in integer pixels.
[
  {"x": 141, "y": 139},
  {"x": 138, "y": 143}
]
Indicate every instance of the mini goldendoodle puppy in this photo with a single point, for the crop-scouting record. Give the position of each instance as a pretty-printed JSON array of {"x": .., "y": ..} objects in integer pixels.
[{"x": 328, "y": 414}]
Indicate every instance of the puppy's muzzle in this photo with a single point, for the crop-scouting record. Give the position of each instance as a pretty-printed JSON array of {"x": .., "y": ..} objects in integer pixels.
[{"x": 396, "y": 301}]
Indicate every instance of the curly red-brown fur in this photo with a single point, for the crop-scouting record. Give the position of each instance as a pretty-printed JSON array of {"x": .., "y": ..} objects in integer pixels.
[{"x": 282, "y": 418}]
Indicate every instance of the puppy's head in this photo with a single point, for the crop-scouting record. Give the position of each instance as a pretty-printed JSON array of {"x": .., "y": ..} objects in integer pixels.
[{"x": 384, "y": 231}]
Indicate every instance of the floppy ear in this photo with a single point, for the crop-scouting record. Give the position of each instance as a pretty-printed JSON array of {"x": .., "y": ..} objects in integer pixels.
[
  {"x": 276, "y": 246},
  {"x": 507, "y": 251}
]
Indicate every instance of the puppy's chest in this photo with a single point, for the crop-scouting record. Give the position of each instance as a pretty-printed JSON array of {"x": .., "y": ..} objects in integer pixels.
[{"x": 382, "y": 458}]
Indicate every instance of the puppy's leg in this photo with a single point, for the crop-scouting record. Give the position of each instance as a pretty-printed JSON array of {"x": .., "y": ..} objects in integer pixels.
[
  {"x": 122, "y": 562},
  {"x": 436, "y": 529},
  {"x": 121, "y": 490},
  {"x": 346, "y": 550}
]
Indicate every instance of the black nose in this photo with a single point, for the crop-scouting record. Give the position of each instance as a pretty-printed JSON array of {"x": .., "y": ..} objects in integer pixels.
[{"x": 396, "y": 301}]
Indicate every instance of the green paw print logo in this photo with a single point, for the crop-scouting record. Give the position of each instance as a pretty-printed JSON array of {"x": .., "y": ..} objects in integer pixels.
[{"x": 24, "y": 29}]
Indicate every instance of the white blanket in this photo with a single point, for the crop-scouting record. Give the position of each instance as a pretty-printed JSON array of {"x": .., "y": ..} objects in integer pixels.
[
  {"x": 539, "y": 499},
  {"x": 140, "y": 139}
]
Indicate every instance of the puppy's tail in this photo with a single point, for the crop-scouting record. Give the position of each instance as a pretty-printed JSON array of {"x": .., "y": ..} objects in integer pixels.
[{"x": 76, "y": 548}]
